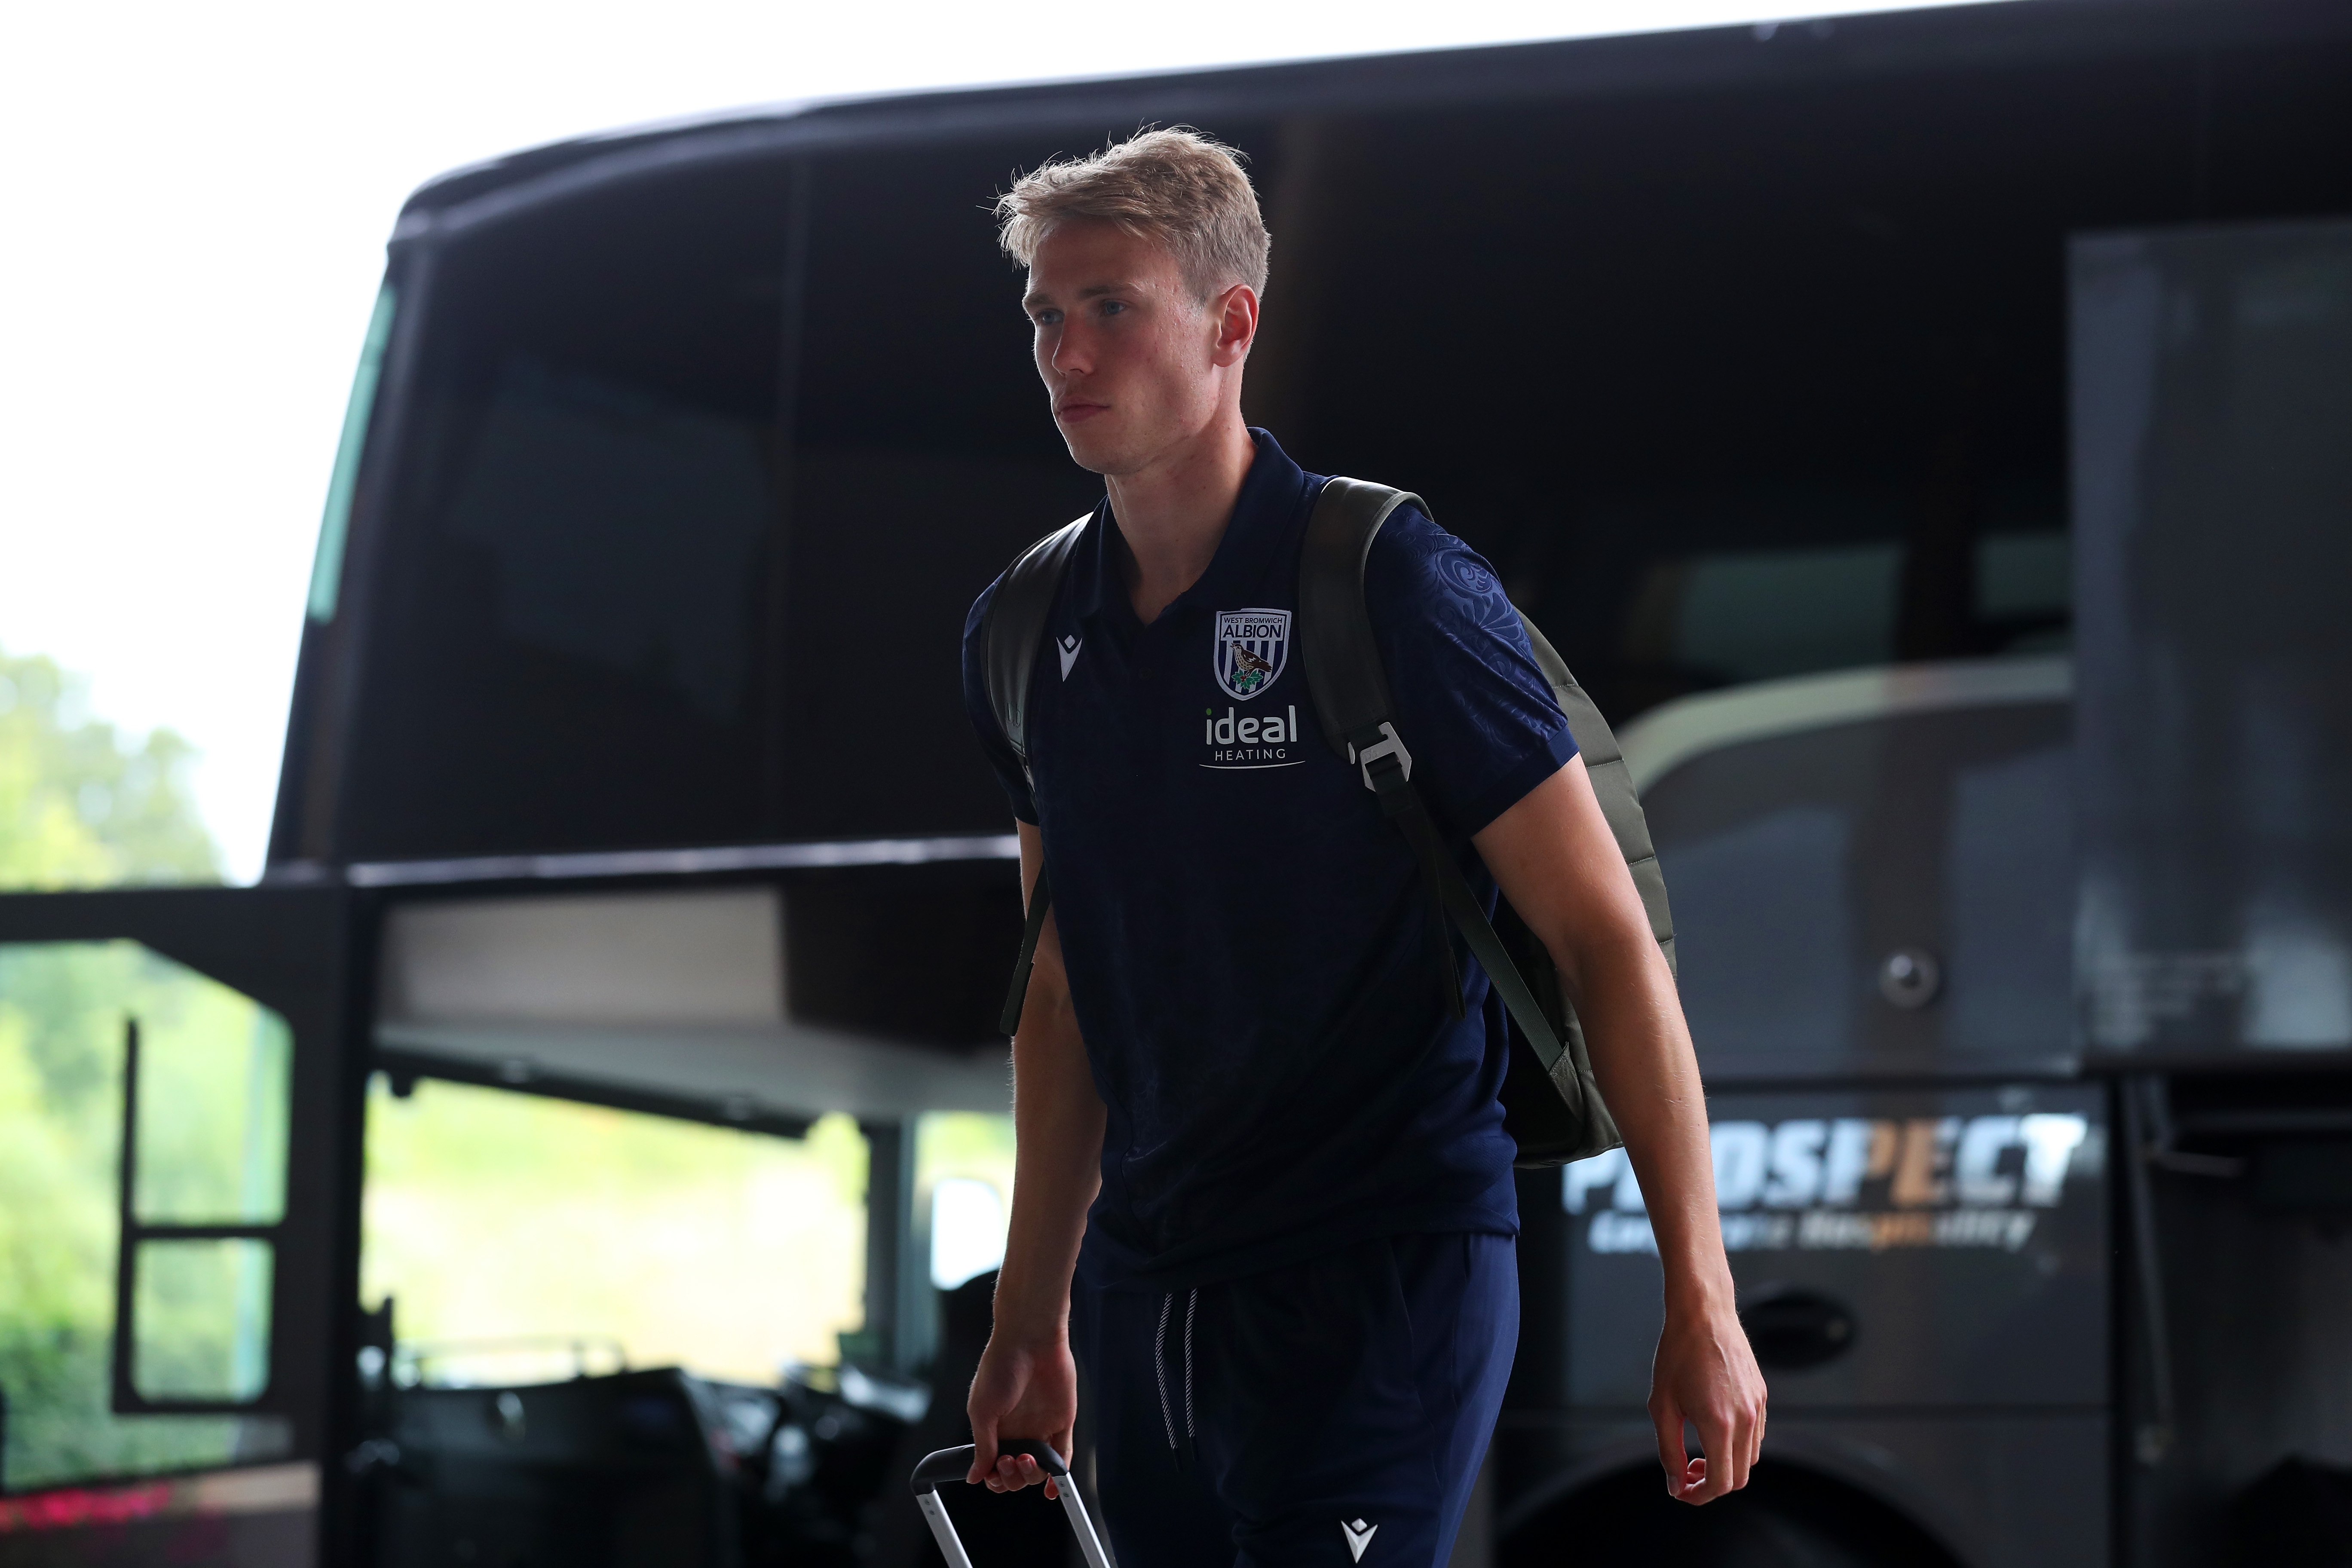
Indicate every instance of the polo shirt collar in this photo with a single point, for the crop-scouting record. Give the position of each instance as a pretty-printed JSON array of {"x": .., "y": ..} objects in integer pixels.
[{"x": 1270, "y": 499}]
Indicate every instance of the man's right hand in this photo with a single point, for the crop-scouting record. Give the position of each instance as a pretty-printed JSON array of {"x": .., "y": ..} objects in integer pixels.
[{"x": 1022, "y": 1391}]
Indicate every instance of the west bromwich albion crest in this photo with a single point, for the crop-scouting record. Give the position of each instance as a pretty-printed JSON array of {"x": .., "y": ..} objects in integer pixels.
[{"x": 1252, "y": 647}]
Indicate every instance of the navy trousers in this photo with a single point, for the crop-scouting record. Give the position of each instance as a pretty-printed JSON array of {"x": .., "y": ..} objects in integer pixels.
[{"x": 1330, "y": 1412}]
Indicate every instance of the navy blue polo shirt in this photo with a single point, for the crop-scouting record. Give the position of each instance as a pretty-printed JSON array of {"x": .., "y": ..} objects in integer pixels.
[{"x": 1247, "y": 937}]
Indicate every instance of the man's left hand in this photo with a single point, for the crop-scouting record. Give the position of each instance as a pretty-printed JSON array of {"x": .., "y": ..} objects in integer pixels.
[{"x": 1706, "y": 1374}]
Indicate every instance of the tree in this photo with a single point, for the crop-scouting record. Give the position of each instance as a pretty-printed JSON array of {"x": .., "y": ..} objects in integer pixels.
[{"x": 80, "y": 806}]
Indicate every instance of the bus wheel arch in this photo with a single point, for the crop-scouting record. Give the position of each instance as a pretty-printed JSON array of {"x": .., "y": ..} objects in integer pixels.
[{"x": 1792, "y": 1514}]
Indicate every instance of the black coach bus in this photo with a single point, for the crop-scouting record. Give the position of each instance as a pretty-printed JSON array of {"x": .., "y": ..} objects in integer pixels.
[{"x": 1922, "y": 433}]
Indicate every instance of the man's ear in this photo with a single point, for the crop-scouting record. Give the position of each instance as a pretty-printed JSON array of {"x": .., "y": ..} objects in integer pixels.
[{"x": 1235, "y": 313}]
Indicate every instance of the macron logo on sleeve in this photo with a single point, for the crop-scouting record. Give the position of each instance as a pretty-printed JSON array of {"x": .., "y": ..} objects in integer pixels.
[
  {"x": 1068, "y": 648},
  {"x": 1359, "y": 1535}
]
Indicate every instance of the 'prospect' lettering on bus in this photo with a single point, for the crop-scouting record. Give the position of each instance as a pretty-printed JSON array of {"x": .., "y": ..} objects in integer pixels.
[{"x": 1861, "y": 1182}]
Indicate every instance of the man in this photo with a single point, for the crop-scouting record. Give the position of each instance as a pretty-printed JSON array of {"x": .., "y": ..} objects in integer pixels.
[{"x": 1262, "y": 1183}]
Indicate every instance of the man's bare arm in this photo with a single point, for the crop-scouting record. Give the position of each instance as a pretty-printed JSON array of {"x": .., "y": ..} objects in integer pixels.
[
  {"x": 1556, "y": 862},
  {"x": 1027, "y": 1382}
]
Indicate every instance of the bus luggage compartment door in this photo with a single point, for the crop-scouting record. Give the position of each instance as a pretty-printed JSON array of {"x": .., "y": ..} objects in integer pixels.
[{"x": 1923, "y": 1274}]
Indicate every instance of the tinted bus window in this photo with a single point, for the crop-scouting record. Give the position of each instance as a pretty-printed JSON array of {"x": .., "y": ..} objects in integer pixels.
[
  {"x": 924, "y": 458},
  {"x": 624, "y": 603},
  {"x": 568, "y": 646}
]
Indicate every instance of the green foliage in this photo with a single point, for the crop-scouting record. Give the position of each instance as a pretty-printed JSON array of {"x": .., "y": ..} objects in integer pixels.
[
  {"x": 83, "y": 806},
  {"x": 62, "y": 1009},
  {"x": 80, "y": 806}
]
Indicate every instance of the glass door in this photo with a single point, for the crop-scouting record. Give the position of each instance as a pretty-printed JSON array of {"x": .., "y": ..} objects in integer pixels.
[{"x": 177, "y": 1223}]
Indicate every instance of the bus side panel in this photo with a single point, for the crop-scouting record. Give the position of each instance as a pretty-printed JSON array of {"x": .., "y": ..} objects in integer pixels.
[
  {"x": 259, "y": 1517},
  {"x": 1924, "y": 1273}
]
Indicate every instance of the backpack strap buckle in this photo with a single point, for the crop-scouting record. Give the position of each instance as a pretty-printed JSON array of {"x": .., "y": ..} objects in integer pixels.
[{"x": 1387, "y": 746}]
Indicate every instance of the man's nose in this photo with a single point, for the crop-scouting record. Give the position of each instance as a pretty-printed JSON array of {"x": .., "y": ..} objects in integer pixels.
[{"x": 1072, "y": 352}]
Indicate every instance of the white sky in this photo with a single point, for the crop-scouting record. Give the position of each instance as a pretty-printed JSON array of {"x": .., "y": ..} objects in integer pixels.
[{"x": 197, "y": 198}]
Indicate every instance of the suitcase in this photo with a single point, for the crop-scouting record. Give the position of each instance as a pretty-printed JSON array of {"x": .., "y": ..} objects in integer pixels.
[{"x": 955, "y": 1464}]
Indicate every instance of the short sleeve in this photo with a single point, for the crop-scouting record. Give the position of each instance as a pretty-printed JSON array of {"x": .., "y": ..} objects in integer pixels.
[
  {"x": 1472, "y": 706},
  {"x": 1001, "y": 759}
]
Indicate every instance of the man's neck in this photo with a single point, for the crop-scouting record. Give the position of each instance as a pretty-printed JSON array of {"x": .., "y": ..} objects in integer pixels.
[{"x": 1173, "y": 514}]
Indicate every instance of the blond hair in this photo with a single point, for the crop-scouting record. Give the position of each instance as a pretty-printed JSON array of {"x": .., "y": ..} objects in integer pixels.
[{"x": 1177, "y": 187}]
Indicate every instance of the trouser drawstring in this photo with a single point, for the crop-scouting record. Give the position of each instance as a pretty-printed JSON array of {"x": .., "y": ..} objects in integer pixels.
[{"x": 1181, "y": 1452}]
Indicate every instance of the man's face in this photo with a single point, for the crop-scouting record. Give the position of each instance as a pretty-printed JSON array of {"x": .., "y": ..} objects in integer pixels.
[{"x": 1133, "y": 363}]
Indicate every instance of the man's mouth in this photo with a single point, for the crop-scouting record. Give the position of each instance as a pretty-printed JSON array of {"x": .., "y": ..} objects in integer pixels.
[{"x": 1077, "y": 410}]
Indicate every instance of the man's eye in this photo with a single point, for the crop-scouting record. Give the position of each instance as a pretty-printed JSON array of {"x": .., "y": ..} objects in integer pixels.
[
  {"x": 1114, "y": 307},
  {"x": 1047, "y": 318}
]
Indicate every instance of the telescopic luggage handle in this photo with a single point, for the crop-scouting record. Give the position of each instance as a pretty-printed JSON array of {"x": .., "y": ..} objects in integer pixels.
[{"x": 955, "y": 1464}]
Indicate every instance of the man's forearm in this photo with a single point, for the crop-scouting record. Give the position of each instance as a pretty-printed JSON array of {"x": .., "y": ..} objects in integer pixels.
[
  {"x": 1027, "y": 1384},
  {"x": 1057, "y": 1121},
  {"x": 1649, "y": 1077},
  {"x": 1560, "y": 866},
  {"x": 1057, "y": 1126}
]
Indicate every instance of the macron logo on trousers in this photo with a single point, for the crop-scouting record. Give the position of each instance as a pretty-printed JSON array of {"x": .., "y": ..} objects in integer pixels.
[{"x": 1359, "y": 1535}]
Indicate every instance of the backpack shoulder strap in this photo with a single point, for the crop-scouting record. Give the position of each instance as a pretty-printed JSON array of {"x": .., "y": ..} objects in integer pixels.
[
  {"x": 1015, "y": 626},
  {"x": 1353, "y": 706},
  {"x": 1335, "y": 631},
  {"x": 1009, "y": 635},
  {"x": 1351, "y": 695},
  {"x": 1351, "y": 703}
]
